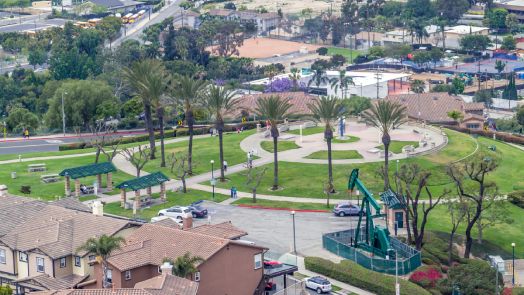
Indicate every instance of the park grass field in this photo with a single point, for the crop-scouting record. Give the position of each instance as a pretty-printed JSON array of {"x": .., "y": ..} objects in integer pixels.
[
  {"x": 308, "y": 131},
  {"x": 348, "y": 140},
  {"x": 396, "y": 146},
  {"x": 283, "y": 145},
  {"x": 349, "y": 54},
  {"x": 336, "y": 155},
  {"x": 204, "y": 150},
  {"x": 173, "y": 199},
  {"x": 49, "y": 191}
]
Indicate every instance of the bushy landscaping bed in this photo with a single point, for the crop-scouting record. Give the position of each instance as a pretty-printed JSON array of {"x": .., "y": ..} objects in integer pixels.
[{"x": 351, "y": 273}]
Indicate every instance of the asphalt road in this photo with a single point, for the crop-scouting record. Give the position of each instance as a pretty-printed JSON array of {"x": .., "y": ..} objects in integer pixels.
[{"x": 31, "y": 24}]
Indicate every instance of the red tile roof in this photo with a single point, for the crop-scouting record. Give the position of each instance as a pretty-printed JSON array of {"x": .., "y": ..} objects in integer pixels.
[{"x": 299, "y": 102}]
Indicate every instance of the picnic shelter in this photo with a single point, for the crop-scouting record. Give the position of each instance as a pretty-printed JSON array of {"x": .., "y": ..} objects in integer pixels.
[
  {"x": 140, "y": 183},
  {"x": 97, "y": 169}
]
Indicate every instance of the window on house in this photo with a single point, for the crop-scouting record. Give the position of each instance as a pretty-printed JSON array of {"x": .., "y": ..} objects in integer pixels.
[
  {"x": 91, "y": 257},
  {"x": 127, "y": 275},
  {"x": 63, "y": 262},
  {"x": 2, "y": 256},
  {"x": 22, "y": 256},
  {"x": 109, "y": 276},
  {"x": 40, "y": 264},
  {"x": 197, "y": 276},
  {"x": 258, "y": 261},
  {"x": 78, "y": 261}
]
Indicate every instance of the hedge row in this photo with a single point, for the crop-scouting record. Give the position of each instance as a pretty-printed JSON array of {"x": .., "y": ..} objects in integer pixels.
[
  {"x": 486, "y": 133},
  {"x": 351, "y": 273},
  {"x": 179, "y": 132},
  {"x": 517, "y": 198}
]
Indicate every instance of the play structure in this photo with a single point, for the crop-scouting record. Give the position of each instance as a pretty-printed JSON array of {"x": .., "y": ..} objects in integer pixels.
[
  {"x": 375, "y": 238},
  {"x": 368, "y": 243}
]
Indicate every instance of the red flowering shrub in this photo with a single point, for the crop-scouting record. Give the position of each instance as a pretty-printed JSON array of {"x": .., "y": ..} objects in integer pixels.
[{"x": 426, "y": 276}]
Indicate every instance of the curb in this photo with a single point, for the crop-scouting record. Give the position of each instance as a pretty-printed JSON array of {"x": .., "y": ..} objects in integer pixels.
[
  {"x": 69, "y": 136},
  {"x": 282, "y": 209}
]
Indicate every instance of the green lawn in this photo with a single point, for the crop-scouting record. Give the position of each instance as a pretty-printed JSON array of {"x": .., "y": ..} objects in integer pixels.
[
  {"x": 281, "y": 204},
  {"x": 173, "y": 199},
  {"x": 307, "y": 180},
  {"x": 45, "y": 154},
  {"x": 283, "y": 145},
  {"x": 308, "y": 131},
  {"x": 396, "y": 145},
  {"x": 205, "y": 150},
  {"x": 336, "y": 155},
  {"x": 346, "y": 52},
  {"x": 48, "y": 191},
  {"x": 502, "y": 235},
  {"x": 348, "y": 140}
]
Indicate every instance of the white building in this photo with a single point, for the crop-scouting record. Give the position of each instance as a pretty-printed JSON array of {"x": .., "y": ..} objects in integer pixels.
[{"x": 454, "y": 34}]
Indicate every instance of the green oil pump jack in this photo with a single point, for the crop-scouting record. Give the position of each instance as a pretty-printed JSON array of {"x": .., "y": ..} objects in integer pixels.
[{"x": 376, "y": 237}]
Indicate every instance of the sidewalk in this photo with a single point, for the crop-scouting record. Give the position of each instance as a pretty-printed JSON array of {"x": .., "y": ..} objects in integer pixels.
[{"x": 69, "y": 135}]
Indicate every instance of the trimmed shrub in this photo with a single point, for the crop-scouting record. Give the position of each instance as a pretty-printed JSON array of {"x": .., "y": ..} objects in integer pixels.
[
  {"x": 322, "y": 51},
  {"x": 517, "y": 198},
  {"x": 351, "y": 273},
  {"x": 487, "y": 133},
  {"x": 470, "y": 277},
  {"x": 426, "y": 276}
]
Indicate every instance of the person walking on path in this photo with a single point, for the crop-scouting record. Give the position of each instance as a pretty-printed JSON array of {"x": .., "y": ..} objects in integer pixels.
[
  {"x": 26, "y": 133},
  {"x": 225, "y": 165}
]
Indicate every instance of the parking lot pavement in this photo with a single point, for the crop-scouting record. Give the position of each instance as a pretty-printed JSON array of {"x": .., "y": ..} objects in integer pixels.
[{"x": 274, "y": 228}]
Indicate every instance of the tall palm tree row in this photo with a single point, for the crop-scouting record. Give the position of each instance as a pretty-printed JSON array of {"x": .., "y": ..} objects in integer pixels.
[
  {"x": 219, "y": 100},
  {"x": 102, "y": 247},
  {"x": 385, "y": 115},
  {"x": 149, "y": 81},
  {"x": 319, "y": 77},
  {"x": 189, "y": 91},
  {"x": 342, "y": 81},
  {"x": 273, "y": 108},
  {"x": 327, "y": 110}
]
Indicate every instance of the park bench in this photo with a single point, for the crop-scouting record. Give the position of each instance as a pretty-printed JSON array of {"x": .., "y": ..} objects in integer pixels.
[
  {"x": 50, "y": 178},
  {"x": 87, "y": 190},
  {"x": 36, "y": 167}
]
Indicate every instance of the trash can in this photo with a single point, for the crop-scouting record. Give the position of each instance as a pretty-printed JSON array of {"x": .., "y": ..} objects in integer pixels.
[{"x": 13, "y": 175}]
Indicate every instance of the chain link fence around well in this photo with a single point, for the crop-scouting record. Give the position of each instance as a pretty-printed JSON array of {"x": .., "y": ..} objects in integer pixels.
[{"x": 339, "y": 243}]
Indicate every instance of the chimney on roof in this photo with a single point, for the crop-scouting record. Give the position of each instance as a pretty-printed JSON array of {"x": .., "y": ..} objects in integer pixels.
[
  {"x": 166, "y": 268},
  {"x": 98, "y": 208},
  {"x": 187, "y": 223}
]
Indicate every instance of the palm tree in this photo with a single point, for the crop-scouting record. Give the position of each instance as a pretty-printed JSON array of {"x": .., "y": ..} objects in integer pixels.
[
  {"x": 218, "y": 101},
  {"x": 319, "y": 77},
  {"x": 189, "y": 91},
  {"x": 102, "y": 247},
  {"x": 295, "y": 77},
  {"x": 148, "y": 80},
  {"x": 342, "y": 81},
  {"x": 385, "y": 116},
  {"x": 327, "y": 110},
  {"x": 274, "y": 108},
  {"x": 185, "y": 266}
]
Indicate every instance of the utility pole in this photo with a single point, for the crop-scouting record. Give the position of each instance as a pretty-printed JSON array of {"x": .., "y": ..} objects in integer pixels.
[{"x": 378, "y": 76}]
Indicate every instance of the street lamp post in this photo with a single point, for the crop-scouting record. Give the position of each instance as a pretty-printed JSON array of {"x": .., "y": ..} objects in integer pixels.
[
  {"x": 397, "y": 286},
  {"x": 63, "y": 114},
  {"x": 294, "y": 235},
  {"x": 213, "y": 181},
  {"x": 513, "y": 265}
]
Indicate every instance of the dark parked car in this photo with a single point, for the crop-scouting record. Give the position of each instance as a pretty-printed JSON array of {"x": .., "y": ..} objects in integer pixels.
[
  {"x": 346, "y": 209},
  {"x": 197, "y": 210}
]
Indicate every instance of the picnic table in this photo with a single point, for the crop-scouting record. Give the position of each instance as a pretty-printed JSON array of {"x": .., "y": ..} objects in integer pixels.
[
  {"x": 50, "y": 178},
  {"x": 36, "y": 167}
]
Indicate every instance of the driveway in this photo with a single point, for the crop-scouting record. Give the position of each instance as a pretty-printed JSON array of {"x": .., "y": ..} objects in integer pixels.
[{"x": 274, "y": 228}]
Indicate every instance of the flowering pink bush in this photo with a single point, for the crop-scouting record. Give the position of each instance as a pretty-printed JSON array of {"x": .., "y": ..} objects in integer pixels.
[{"x": 426, "y": 276}]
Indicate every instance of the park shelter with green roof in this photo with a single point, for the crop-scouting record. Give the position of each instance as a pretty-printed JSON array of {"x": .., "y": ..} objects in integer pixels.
[
  {"x": 97, "y": 169},
  {"x": 395, "y": 209},
  {"x": 140, "y": 183}
]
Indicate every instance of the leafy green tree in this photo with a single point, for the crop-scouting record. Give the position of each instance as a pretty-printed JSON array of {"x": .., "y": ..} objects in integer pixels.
[
  {"x": 377, "y": 51},
  {"x": 219, "y": 101},
  {"x": 342, "y": 81},
  {"x": 189, "y": 91},
  {"x": 6, "y": 290},
  {"x": 37, "y": 56},
  {"x": 520, "y": 116},
  {"x": 327, "y": 110},
  {"x": 21, "y": 118},
  {"x": 399, "y": 51},
  {"x": 470, "y": 278},
  {"x": 110, "y": 27},
  {"x": 356, "y": 105},
  {"x": 385, "y": 116},
  {"x": 457, "y": 86},
  {"x": 319, "y": 77},
  {"x": 185, "y": 266},
  {"x": 227, "y": 36},
  {"x": 418, "y": 86},
  {"x": 496, "y": 18},
  {"x": 510, "y": 92},
  {"x": 475, "y": 43},
  {"x": 419, "y": 9},
  {"x": 148, "y": 81},
  {"x": 421, "y": 58},
  {"x": 508, "y": 43},
  {"x": 512, "y": 23},
  {"x": 102, "y": 247},
  {"x": 451, "y": 10},
  {"x": 436, "y": 54},
  {"x": 484, "y": 96},
  {"x": 82, "y": 101},
  {"x": 273, "y": 108},
  {"x": 456, "y": 115},
  {"x": 500, "y": 66}
]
